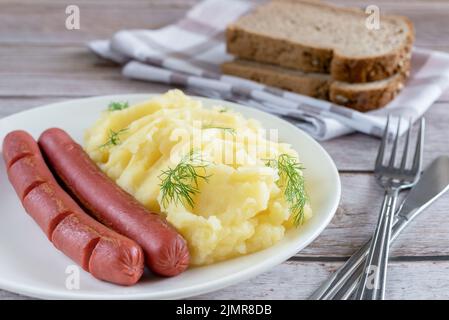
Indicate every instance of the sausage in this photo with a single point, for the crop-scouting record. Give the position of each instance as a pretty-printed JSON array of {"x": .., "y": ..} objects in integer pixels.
[
  {"x": 99, "y": 250},
  {"x": 104, "y": 253},
  {"x": 166, "y": 251}
]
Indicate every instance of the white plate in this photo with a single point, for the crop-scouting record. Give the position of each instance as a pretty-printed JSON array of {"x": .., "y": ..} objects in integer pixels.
[{"x": 30, "y": 265}]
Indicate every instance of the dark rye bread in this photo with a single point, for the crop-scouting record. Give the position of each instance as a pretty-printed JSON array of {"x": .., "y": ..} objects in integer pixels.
[
  {"x": 318, "y": 37},
  {"x": 359, "y": 96}
]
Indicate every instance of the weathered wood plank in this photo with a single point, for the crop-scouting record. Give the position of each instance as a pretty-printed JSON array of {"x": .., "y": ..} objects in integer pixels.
[
  {"x": 43, "y": 63},
  {"x": 186, "y": 3},
  {"x": 298, "y": 279},
  {"x": 356, "y": 218},
  {"x": 72, "y": 85},
  {"x": 357, "y": 151},
  {"x": 48, "y": 60},
  {"x": 44, "y": 22},
  {"x": 171, "y": 4},
  {"x": 293, "y": 280}
]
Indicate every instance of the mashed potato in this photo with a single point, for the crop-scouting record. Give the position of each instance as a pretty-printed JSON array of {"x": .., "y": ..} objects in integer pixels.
[{"x": 237, "y": 204}]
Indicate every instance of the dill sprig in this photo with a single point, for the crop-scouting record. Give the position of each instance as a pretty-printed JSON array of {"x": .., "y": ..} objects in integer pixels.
[
  {"x": 225, "y": 129},
  {"x": 116, "y": 105},
  {"x": 292, "y": 181},
  {"x": 180, "y": 184},
  {"x": 113, "y": 138},
  {"x": 223, "y": 110}
]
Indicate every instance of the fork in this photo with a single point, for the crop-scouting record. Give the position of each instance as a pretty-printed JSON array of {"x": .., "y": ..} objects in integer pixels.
[{"x": 393, "y": 179}]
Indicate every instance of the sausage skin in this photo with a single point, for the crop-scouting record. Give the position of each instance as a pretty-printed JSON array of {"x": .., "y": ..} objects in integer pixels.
[
  {"x": 104, "y": 253},
  {"x": 166, "y": 251}
]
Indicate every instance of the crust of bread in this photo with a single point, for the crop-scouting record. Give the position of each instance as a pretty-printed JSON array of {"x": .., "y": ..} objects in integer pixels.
[
  {"x": 367, "y": 69},
  {"x": 361, "y": 97},
  {"x": 315, "y": 85},
  {"x": 263, "y": 48},
  {"x": 366, "y": 100}
]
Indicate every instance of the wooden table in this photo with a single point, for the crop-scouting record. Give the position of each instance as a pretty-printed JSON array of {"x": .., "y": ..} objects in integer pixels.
[{"x": 42, "y": 62}]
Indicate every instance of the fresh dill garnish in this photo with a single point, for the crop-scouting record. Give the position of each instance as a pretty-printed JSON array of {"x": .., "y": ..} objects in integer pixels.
[
  {"x": 225, "y": 129},
  {"x": 113, "y": 138},
  {"x": 116, "y": 105},
  {"x": 180, "y": 184},
  {"x": 223, "y": 110},
  {"x": 292, "y": 181}
]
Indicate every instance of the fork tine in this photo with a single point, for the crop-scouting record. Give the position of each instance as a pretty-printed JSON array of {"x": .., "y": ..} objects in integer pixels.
[
  {"x": 383, "y": 143},
  {"x": 406, "y": 146},
  {"x": 417, "y": 159},
  {"x": 395, "y": 145}
]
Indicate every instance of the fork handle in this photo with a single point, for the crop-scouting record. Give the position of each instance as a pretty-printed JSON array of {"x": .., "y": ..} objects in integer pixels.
[
  {"x": 338, "y": 280},
  {"x": 373, "y": 280}
]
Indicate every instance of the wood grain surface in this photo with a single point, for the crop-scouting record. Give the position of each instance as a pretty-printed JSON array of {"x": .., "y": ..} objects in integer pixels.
[{"x": 41, "y": 62}]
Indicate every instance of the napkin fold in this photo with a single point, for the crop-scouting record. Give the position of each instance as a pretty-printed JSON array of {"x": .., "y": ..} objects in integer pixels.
[{"x": 189, "y": 53}]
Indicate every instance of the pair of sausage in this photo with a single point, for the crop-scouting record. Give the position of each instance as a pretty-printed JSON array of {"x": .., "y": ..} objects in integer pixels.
[
  {"x": 104, "y": 253},
  {"x": 166, "y": 251}
]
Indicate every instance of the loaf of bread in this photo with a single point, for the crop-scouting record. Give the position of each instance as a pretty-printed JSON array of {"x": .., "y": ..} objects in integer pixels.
[
  {"x": 318, "y": 37},
  {"x": 359, "y": 96}
]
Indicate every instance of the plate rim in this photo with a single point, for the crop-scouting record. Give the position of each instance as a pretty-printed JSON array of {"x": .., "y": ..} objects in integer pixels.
[{"x": 194, "y": 290}]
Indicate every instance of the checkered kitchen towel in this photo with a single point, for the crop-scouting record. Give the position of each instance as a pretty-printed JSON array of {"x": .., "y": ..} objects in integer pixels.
[{"x": 190, "y": 52}]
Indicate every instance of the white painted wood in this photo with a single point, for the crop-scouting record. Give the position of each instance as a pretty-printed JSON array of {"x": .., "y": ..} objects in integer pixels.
[
  {"x": 41, "y": 63},
  {"x": 356, "y": 152},
  {"x": 356, "y": 217},
  {"x": 298, "y": 279}
]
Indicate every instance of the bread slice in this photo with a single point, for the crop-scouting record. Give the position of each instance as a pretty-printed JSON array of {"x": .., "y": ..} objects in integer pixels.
[
  {"x": 310, "y": 84},
  {"x": 317, "y": 37},
  {"x": 366, "y": 96},
  {"x": 359, "y": 96}
]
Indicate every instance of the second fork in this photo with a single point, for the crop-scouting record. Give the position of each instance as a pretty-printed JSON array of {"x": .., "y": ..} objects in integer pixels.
[{"x": 392, "y": 179}]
